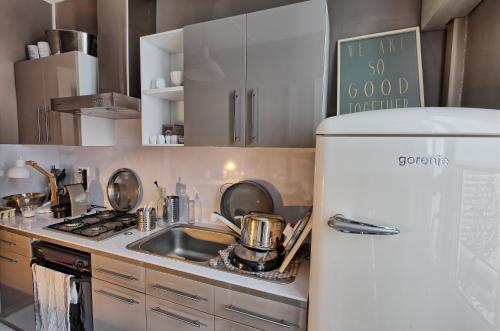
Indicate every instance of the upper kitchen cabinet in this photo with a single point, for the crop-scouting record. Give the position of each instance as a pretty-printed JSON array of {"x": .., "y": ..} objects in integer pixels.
[
  {"x": 215, "y": 73},
  {"x": 37, "y": 81},
  {"x": 257, "y": 79},
  {"x": 286, "y": 54}
]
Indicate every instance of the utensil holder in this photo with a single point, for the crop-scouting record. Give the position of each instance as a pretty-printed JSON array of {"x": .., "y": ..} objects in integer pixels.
[{"x": 146, "y": 221}]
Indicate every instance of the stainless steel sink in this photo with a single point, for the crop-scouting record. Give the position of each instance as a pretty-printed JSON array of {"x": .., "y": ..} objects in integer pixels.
[{"x": 185, "y": 242}]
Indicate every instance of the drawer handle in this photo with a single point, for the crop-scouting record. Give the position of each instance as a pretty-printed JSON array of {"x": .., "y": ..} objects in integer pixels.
[
  {"x": 118, "y": 297},
  {"x": 264, "y": 318},
  {"x": 7, "y": 242},
  {"x": 8, "y": 259},
  {"x": 117, "y": 274},
  {"x": 179, "y": 293},
  {"x": 177, "y": 317}
]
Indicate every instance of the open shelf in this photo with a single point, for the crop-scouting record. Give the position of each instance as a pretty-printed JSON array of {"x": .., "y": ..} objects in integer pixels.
[
  {"x": 173, "y": 93},
  {"x": 161, "y": 54}
]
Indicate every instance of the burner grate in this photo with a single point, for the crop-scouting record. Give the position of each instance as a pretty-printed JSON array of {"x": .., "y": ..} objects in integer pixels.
[{"x": 97, "y": 226}]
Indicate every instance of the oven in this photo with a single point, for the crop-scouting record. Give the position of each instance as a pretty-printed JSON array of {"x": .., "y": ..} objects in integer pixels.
[{"x": 78, "y": 265}]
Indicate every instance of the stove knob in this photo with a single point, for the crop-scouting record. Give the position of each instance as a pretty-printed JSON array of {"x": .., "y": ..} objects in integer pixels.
[{"x": 80, "y": 265}]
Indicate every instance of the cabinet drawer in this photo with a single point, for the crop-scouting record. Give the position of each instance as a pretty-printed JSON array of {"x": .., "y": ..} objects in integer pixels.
[
  {"x": 117, "y": 308},
  {"x": 225, "y": 325},
  {"x": 167, "y": 316},
  {"x": 118, "y": 272},
  {"x": 258, "y": 312},
  {"x": 181, "y": 290},
  {"x": 15, "y": 272},
  {"x": 15, "y": 243}
]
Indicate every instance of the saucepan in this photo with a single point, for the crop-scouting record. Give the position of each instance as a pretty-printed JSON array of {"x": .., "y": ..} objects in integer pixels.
[{"x": 258, "y": 231}]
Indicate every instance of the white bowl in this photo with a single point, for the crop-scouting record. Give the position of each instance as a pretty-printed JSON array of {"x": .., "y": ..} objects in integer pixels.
[{"x": 176, "y": 77}]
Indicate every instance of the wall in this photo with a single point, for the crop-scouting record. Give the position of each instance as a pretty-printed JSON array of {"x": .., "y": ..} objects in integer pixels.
[
  {"x": 22, "y": 22},
  {"x": 482, "y": 60},
  {"x": 78, "y": 15},
  {"x": 287, "y": 171},
  {"x": 348, "y": 18}
]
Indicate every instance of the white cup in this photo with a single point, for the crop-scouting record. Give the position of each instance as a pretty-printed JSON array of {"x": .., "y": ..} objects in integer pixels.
[
  {"x": 167, "y": 139},
  {"x": 161, "y": 83},
  {"x": 43, "y": 48},
  {"x": 173, "y": 139},
  {"x": 33, "y": 52},
  {"x": 153, "y": 139},
  {"x": 176, "y": 78},
  {"x": 160, "y": 139}
]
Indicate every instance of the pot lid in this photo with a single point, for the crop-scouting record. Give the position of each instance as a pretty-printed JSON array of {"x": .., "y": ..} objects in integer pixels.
[
  {"x": 124, "y": 190},
  {"x": 243, "y": 198}
]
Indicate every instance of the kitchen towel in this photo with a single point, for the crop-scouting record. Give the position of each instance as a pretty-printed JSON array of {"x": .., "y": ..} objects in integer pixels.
[{"x": 53, "y": 292}]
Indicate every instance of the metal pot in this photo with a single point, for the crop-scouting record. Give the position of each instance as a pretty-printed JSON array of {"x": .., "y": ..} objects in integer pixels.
[
  {"x": 25, "y": 199},
  {"x": 262, "y": 231},
  {"x": 62, "y": 41}
]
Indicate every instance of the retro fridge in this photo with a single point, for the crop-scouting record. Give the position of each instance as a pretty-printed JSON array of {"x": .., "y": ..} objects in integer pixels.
[{"x": 406, "y": 222}]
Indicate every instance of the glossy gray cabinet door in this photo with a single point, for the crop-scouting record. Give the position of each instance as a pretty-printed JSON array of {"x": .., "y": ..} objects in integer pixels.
[
  {"x": 214, "y": 82},
  {"x": 60, "y": 80},
  {"x": 285, "y": 74},
  {"x": 30, "y": 101}
]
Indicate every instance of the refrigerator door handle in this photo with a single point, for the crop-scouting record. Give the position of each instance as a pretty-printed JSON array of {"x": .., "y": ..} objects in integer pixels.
[{"x": 342, "y": 224}]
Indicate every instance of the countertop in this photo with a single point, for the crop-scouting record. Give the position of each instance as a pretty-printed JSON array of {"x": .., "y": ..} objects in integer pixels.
[{"x": 294, "y": 293}]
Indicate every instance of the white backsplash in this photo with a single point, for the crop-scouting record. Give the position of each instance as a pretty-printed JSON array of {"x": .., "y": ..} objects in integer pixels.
[{"x": 287, "y": 171}]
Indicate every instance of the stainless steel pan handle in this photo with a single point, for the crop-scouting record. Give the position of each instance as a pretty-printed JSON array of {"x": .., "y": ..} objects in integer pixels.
[{"x": 342, "y": 224}]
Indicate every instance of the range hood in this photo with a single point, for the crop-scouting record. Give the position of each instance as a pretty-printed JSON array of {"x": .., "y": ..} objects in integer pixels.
[{"x": 120, "y": 24}]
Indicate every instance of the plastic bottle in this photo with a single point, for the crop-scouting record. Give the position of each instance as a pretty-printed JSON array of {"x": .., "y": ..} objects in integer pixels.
[
  {"x": 180, "y": 190},
  {"x": 197, "y": 208}
]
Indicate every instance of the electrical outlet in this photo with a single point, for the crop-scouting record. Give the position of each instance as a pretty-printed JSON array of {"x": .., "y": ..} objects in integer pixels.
[{"x": 82, "y": 175}]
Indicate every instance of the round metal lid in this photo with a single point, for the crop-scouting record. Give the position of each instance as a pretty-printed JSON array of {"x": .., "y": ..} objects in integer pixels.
[
  {"x": 124, "y": 190},
  {"x": 243, "y": 198}
]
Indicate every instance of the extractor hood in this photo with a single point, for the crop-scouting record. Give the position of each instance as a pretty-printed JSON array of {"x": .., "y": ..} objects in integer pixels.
[{"x": 120, "y": 24}]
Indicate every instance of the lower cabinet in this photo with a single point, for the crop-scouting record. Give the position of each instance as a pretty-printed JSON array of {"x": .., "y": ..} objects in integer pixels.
[
  {"x": 117, "y": 308},
  {"x": 163, "y": 315},
  {"x": 16, "y": 283},
  {"x": 129, "y": 297}
]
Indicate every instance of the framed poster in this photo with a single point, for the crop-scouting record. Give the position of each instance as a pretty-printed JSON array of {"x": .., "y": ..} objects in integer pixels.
[{"x": 380, "y": 71}]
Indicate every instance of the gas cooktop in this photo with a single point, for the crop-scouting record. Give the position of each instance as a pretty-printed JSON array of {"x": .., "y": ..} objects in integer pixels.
[{"x": 97, "y": 226}]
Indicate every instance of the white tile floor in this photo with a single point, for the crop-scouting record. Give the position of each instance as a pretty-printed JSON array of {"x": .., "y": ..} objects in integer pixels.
[
  {"x": 4, "y": 327},
  {"x": 23, "y": 319}
]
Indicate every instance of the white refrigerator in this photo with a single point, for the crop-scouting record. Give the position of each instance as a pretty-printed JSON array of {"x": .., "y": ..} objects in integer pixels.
[{"x": 406, "y": 222}]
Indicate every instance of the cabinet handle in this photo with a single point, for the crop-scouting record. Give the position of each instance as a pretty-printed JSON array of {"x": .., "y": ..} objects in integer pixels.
[
  {"x": 117, "y": 274},
  {"x": 179, "y": 293},
  {"x": 38, "y": 123},
  {"x": 342, "y": 224},
  {"x": 8, "y": 242},
  {"x": 118, "y": 297},
  {"x": 253, "y": 112},
  {"x": 8, "y": 259},
  {"x": 236, "y": 96},
  {"x": 264, "y": 318},
  {"x": 177, "y": 317},
  {"x": 47, "y": 124}
]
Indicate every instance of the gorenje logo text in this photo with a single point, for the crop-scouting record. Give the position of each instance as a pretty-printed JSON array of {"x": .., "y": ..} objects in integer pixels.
[{"x": 436, "y": 161}]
